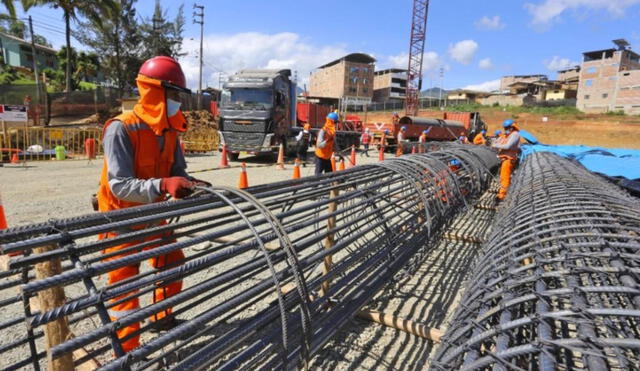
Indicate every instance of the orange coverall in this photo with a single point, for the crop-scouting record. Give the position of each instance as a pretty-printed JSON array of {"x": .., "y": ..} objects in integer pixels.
[{"x": 509, "y": 149}]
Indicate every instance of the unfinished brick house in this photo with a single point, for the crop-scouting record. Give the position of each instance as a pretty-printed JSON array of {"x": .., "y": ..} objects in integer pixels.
[
  {"x": 348, "y": 78},
  {"x": 389, "y": 84},
  {"x": 610, "y": 80}
]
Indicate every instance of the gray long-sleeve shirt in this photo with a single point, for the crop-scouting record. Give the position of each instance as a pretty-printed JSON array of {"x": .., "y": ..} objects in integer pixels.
[
  {"x": 120, "y": 163},
  {"x": 513, "y": 141}
]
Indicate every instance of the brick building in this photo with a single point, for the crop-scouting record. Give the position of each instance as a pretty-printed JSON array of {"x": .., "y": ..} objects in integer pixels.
[
  {"x": 348, "y": 78},
  {"x": 389, "y": 84},
  {"x": 507, "y": 81},
  {"x": 610, "y": 80}
]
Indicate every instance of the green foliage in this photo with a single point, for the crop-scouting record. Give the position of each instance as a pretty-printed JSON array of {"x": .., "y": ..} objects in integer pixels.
[
  {"x": 616, "y": 113},
  {"x": 466, "y": 107},
  {"x": 83, "y": 85},
  {"x": 160, "y": 36}
]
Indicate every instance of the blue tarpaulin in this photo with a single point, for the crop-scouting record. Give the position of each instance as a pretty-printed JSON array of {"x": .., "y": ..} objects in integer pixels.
[{"x": 614, "y": 162}]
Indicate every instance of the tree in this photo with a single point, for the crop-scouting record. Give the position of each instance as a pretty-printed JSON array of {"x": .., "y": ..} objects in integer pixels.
[
  {"x": 93, "y": 10},
  {"x": 116, "y": 40},
  {"x": 11, "y": 9},
  {"x": 87, "y": 65},
  {"x": 12, "y": 26},
  {"x": 162, "y": 37}
]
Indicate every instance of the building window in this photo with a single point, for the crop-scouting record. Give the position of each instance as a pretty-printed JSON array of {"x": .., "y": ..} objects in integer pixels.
[
  {"x": 354, "y": 70},
  {"x": 605, "y": 95},
  {"x": 586, "y": 96},
  {"x": 588, "y": 82},
  {"x": 352, "y": 89},
  {"x": 592, "y": 70},
  {"x": 365, "y": 90}
]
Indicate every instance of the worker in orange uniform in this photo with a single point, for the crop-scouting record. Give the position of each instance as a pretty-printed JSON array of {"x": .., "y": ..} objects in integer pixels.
[
  {"x": 422, "y": 140},
  {"x": 303, "y": 139},
  {"x": 324, "y": 144},
  {"x": 143, "y": 162},
  {"x": 480, "y": 139},
  {"x": 508, "y": 151},
  {"x": 401, "y": 139},
  {"x": 395, "y": 118}
]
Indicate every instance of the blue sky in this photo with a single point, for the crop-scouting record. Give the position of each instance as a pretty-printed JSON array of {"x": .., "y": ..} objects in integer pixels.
[{"x": 476, "y": 42}]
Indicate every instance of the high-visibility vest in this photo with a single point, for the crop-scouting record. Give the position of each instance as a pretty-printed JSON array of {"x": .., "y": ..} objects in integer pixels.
[
  {"x": 148, "y": 161},
  {"x": 329, "y": 135}
]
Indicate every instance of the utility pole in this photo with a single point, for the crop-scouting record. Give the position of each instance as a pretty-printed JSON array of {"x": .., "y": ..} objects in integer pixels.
[
  {"x": 441, "y": 84},
  {"x": 198, "y": 18},
  {"x": 35, "y": 73}
]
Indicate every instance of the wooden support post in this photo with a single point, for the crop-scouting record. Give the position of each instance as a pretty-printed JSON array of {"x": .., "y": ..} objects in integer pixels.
[
  {"x": 329, "y": 241},
  {"x": 55, "y": 332},
  {"x": 399, "y": 323}
]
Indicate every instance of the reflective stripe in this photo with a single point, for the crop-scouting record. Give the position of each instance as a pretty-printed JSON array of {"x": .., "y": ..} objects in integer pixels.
[{"x": 117, "y": 314}]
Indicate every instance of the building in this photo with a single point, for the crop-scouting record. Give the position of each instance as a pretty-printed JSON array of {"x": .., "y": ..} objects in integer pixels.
[
  {"x": 569, "y": 75},
  {"x": 609, "y": 80},
  {"x": 17, "y": 52},
  {"x": 465, "y": 96},
  {"x": 506, "y": 81},
  {"x": 389, "y": 84},
  {"x": 349, "y": 79}
]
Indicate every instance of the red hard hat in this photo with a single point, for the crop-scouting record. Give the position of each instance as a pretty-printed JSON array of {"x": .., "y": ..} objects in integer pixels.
[{"x": 167, "y": 70}]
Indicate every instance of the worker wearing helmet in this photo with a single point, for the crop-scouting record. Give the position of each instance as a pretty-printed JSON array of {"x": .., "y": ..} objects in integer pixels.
[
  {"x": 401, "y": 139},
  {"x": 508, "y": 151},
  {"x": 324, "y": 144},
  {"x": 497, "y": 133},
  {"x": 365, "y": 140},
  {"x": 422, "y": 140},
  {"x": 395, "y": 119},
  {"x": 303, "y": 139},
  {"x": 463, "y": 139},
  {"x": 480, "y": 139},
  {"x": 143, "y": 162}
]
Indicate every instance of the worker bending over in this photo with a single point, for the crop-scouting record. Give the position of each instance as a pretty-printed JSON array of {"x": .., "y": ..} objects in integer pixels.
[
  {"x": 422, "y": 140},
  {"x": 508, "y": 151},
  {"x": 401, "y": 139},
  {"x": 143, "y": 162},
  {"x": 480, "y": 139},
  {"x": 324, "y": 144}
]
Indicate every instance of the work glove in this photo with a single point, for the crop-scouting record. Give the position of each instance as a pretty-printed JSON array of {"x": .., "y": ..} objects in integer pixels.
[{"x": 176, "y": 186}]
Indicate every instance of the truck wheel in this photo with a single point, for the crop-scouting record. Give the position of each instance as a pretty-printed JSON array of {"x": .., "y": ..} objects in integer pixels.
[{"x": 234, "y": 156}]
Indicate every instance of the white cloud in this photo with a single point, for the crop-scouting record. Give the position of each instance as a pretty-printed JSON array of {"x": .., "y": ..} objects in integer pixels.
[
  {"x": 493, "y": 23},
  {"x": 463, "y": 51},
  {"x": 230, "y": 53},
  {"x": 431, "y": 61},
  {"x": 485, "y": 64},
  {"x": 485, "y": 86},
  {"x": 550, "y": 10},
  {"x": 556, "y": 63}
]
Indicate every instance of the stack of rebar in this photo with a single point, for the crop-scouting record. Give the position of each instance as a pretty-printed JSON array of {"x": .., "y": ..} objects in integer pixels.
[
  {"x": 270, "y": 273},
  {"x": 557, "y": 287}
]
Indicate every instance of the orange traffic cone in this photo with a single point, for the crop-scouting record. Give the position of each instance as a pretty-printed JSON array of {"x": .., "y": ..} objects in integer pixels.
[
  {"x": 381, "y": 154},
  {"x": 244, "y": 181},
  {"x": 3, "y": 220},
  {"x": 342, "y": 167},
  {"x": 399, "y": 150},
  {"x": 333, "y": 163},
  {"x": 352, "y": 158},
  {"x": 296, "y": 170},
  {"x": 224, "y": 161},
  {"x": 280, "y": 164},
  {"x": 14, "y": 159},
  {"x": 413, "y": 150}
]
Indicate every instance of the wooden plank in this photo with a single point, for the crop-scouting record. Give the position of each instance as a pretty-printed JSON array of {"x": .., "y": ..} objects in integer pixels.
[
  {"x": 329, "y": 242},
  {"x": 403, "y": 324}
]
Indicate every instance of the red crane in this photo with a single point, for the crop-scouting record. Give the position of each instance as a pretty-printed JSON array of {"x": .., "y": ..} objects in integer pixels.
[{"x": 416, "y": 50}]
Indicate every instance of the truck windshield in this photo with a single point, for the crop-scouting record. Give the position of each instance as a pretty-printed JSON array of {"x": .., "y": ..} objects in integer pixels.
[{"x": 247, "y": 98}]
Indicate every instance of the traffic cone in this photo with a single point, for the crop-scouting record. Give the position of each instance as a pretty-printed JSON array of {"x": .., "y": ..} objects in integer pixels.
[
  {"x": 14, "y": 159},
  {"x": 244, "y": 181},
  {"x": 333, "y": 163},
  {"x": 352, "y": 158},
  {"x": 413, "y": 150},
  {"x": 399, "y": 151},
  {"x": 381, "y": 154},
  {"x": 224, "y": 161},
  {"x": 342, "y": 167},
  {"x": 280, "y": 164},
  {"x": 296, "y": 170},
  {"x": 3, "y": 220}
]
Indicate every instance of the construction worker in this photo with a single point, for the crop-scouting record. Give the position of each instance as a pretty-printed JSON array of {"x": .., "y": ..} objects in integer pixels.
[
  {"x": 401, "y": 139},
  {"x": 395, "y": 119},
  {"x": 324, "y": 144},
  {"x": 497, "y": 134},
  {"x": 422, "y": 140},
  {"x": 143, "y": 162},
  {"x": 303, "y": 139},
  {"x": 365, "y": 140},
  {"x": 508, "y": 151},
  {"x": 480, "y": 139},
  {"x": 463, "y": 139}
]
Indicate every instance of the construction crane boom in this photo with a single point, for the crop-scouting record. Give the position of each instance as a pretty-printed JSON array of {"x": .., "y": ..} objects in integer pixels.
[{"x": 416, "y": 51}]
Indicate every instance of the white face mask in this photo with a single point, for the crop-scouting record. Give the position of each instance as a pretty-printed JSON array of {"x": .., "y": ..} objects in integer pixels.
[{"x": 172, "y": 107}]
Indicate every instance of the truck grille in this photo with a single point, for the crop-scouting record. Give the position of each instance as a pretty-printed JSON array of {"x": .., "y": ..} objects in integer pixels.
[
  {"x": 245, "y": 126},
  {"x": 243, "y": 141}
]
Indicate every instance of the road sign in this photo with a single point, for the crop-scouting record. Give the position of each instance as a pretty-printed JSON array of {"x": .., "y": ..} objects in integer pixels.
[{"x": 13, "y": 113}]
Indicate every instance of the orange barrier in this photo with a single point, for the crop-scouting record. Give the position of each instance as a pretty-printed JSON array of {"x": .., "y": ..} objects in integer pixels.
[
  {"x": 224, "y": 161},
  {"x": 90, "y": 148},
  {"x": 14, "y": 159},
  {"x": 244, "y": 181},
  {"x": 280, "y": 164},
  {"x": 296, "y": 170}
]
